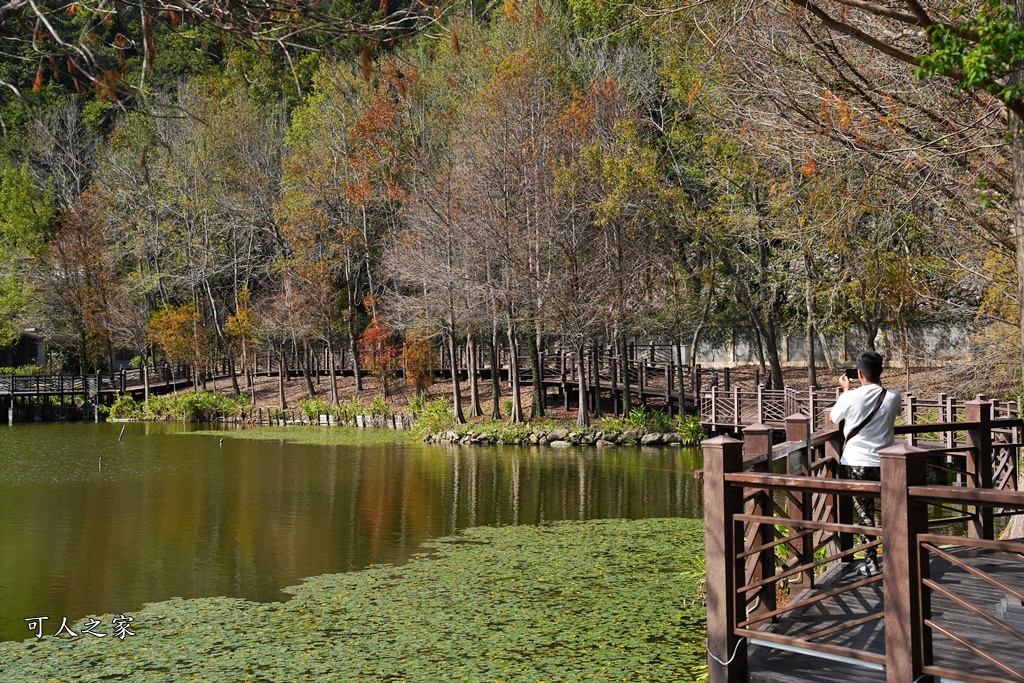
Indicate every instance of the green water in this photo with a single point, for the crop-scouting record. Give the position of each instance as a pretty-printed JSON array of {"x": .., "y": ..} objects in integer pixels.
[{"x": 91, "y": 525}]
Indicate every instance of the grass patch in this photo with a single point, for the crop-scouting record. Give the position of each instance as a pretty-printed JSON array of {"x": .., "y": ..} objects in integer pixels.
[
  {"x": 317, "y": 436},
  {"x": 606, "y": 600}
]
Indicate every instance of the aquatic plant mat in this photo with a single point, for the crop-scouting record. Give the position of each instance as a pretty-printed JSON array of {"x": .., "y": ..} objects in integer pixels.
[
  {"x": 593, "y": 601},
  {"x": 316, "y": 435}
]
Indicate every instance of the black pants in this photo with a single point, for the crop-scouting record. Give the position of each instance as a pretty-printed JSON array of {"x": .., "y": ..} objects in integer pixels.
[{"x": 864, "y": 506}]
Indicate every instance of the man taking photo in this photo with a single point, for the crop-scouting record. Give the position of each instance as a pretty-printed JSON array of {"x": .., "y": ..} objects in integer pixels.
[{"x": 868, "y": 414}]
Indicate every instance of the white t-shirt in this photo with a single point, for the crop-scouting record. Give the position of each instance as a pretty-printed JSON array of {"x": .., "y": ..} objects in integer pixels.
[{"x": 855, "y": 405}]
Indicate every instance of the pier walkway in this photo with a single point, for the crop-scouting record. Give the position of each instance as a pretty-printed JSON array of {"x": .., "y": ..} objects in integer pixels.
[{"x": 784, "y": 602}]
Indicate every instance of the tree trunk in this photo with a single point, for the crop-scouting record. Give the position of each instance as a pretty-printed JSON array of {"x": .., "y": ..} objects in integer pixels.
[
  {"x": 699, "y": 330},
  {"x": 234, "y": 376},
  {"x": 624, "y": 368},
  {"x": 826, "y": 351},
  {"x": 456, "y": 389},
  {"x": 771, "y": 346},
  {"x": 333, "y": 370},
  {"x": 812, "y": 371},
  {"x": 495, "y": 377},
  {"x": 1017, "y": 145},
  {"x": 305, "y": 371},
  {"x": 280, "y": 379},
  {"x": 81, "y": 351},
  {"x": 809, "y": 299},
  {"x": 245, "y": 364},
  {"x": 513, "y": 371},
  {"x": 582, "y": 415},
  {"x": 537, "y": 403},
  {"x": 474, "y": 380},
  {"x": 596, "y": 350},
  {"x": 252, "y": 383},
  {"x": 353, "y": 344},
  {"x": 681, "y": 380},
  {"x": 758, "y": 344}
]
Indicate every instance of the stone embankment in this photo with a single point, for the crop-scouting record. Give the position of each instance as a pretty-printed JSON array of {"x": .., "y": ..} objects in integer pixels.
[{"x": 562, "y": 438}]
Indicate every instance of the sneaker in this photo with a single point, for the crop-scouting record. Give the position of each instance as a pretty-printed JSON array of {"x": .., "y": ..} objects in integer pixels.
[{"x": 869, "y": 568}]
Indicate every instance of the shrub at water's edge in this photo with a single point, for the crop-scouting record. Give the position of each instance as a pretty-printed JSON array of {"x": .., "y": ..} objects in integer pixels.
[
  {"x": 195, "y": 406},
  {"x": 599, "y": 600},
  {"x": 125, "y": 408},
  {"x": 434, "y": 417},
  {"x": 23, "y": 370},
  {"x": 434, "y": 421},
  {"x": 642, "y": 426}
]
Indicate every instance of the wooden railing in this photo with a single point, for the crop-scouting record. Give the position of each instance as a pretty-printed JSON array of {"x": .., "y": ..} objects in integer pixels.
[
  {"x": 738, "y": 407},
  {"x": 769, "y": 531},
  {"x": 116, "y": 380}
]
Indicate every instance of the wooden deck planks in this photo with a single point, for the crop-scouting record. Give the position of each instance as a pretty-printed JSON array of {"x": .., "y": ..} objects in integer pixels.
[{"x": 774, "y": 666}]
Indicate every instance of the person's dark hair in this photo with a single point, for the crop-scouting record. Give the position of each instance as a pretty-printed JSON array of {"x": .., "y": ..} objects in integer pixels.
[{"x": 870, "y": 363}]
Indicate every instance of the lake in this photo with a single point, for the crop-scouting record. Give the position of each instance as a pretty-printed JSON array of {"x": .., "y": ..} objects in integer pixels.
[{"x": 93, "y": 525}]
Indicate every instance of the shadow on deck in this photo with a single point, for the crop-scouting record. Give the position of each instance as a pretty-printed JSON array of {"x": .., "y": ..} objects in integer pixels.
[{"x": 853, "y": 620}]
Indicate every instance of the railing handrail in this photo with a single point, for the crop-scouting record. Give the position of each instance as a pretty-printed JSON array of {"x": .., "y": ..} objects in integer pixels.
[{"x": 743, "y": 548}]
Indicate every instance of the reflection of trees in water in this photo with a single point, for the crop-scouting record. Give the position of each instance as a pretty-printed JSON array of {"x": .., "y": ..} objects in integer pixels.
[
  {"x": 414, "y": 494},
  {"x": 253, "y": 517},
  {"x": 521, "y": 486}
]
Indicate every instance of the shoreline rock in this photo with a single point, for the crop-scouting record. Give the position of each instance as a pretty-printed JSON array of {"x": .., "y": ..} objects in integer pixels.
[{"x": 561, "y": 438}]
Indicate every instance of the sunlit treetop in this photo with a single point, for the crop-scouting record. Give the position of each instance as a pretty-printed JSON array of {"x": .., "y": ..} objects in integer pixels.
[{"x": 90, "y": 43}]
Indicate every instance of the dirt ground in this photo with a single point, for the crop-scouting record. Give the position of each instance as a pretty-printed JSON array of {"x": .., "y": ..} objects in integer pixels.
[
  {"x": 923, "y": 382},
  {"x": 265, "y": 391}
]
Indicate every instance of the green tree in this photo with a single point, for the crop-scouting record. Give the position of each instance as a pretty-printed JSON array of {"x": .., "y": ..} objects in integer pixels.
[{"x": 27, "y": 218}]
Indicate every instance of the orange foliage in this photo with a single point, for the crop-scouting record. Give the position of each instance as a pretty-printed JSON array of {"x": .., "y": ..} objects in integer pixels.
[
  {"x": 379, "y": 352},
  {"x": 810, "y": 167},
  {"x": 419, "y": 361}
]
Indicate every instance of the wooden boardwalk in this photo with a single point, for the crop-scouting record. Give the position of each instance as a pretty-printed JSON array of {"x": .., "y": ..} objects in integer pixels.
[
  {"x": 863, "y": 606},
  {"x": 949, "y": 603}
]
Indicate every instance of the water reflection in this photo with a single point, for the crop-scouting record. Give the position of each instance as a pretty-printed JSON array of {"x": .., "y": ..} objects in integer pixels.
[{"x": 89, "y": 524}]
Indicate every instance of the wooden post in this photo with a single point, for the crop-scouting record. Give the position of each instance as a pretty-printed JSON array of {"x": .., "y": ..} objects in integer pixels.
[
  {"x": 640, "y": 366},
  {"x": 798, "y": 506},
  {"x": 736, "y": 405},
  {"x": 614, "y": 360},
  {"x": 944, "y": 416},
  {"x": 979, "y": 465},
  {"x": 908, "y": 646},
  {"x": 714, "y": 407},
  {"x": 812, "y": 407},
  {"x": 760, "y": 403},
  {"x": 561, "y": 378},
  {"x": 757, "y": 442},
  {"x": 668, "y": 389},
  {"x": 725, "y": 378},
  {"x": 910, "y": 416},
  {"x": 841, "y": 508},
  {"x": 727, "y": 653},
  {"x": 1015, "y": 434}
]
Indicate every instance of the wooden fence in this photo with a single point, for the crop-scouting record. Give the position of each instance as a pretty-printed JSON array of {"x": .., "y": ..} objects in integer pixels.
[{"x": 768, "y": 532}]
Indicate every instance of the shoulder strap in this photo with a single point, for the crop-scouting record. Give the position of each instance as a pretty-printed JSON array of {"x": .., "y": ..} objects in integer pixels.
[{"x": 878, "y": 404}]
